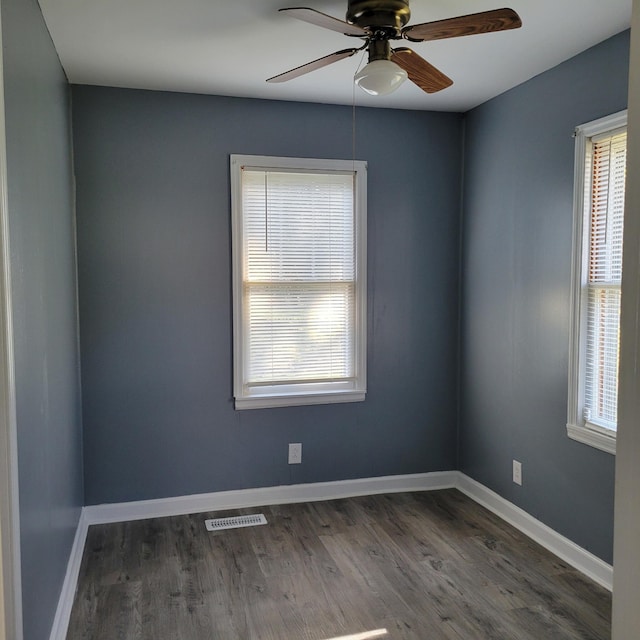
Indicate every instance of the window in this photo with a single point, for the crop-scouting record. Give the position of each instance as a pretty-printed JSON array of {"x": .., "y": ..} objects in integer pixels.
[
  {"x": 299, "y": 281},
  {"x": 601, "y": 150}
]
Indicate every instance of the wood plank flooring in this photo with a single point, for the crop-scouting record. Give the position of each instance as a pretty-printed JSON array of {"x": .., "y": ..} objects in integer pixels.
[{"x": 411, "y": 566}]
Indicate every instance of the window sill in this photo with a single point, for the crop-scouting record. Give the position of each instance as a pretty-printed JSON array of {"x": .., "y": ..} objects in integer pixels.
[
  {"x": 266, "y": 402},
  {"x": 593, "y": 438}
]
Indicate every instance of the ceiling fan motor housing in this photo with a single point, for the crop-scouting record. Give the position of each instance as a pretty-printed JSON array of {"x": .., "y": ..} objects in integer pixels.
[{"x": 379, "y": 14}]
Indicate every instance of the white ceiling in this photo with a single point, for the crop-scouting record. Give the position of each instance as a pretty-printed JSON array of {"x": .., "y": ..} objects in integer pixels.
[{"x": 230, "y": 47}]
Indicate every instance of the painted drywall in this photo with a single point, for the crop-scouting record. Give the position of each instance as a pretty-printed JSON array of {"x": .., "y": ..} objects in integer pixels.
[
  {"x": 515, "y": 301},
  {"x": 153, "y": 207},
  {"x": 626, "y": 585},
  {"x": 42, "y": 257}
]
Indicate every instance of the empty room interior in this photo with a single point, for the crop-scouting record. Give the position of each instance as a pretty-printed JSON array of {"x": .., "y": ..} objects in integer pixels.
[{"x": 440, "y": 477}]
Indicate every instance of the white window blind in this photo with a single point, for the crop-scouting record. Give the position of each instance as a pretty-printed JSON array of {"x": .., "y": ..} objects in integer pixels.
[
  {"x": 299, "y": 283},
  {"x": 594, "y": 347},
  {"x": 299, "y": 276},
  {"x": 607, "y": 185}
]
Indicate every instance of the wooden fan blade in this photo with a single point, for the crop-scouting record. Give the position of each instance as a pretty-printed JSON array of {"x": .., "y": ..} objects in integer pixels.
[
  {"x": 323, "y": 20},
  {"x": 312, "y": 66},
  {"x": 420, "y": 72},
  {"x": 485, "y": 22}
]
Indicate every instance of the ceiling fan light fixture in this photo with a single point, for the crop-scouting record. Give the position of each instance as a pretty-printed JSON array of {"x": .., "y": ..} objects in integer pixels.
[{"x": 380, "y": 77}]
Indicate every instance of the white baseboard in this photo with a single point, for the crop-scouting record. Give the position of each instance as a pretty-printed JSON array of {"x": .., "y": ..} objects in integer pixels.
[
  {"x": 312, "y": 492},
  {"x": 63, "y": 613},
  {"x": 579, "y": 558}
]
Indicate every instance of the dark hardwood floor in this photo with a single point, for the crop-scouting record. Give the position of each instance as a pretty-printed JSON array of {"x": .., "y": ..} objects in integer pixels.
[{"x": 423, "y": 566}]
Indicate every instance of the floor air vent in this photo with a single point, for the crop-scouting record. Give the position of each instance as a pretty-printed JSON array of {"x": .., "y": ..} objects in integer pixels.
[{"x": 217, "y": 524}]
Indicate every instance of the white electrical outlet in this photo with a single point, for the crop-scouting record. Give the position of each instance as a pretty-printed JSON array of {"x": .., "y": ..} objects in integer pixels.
[
  {"x": 517, "y": 472},
  {"x": 295, "y": 452}
]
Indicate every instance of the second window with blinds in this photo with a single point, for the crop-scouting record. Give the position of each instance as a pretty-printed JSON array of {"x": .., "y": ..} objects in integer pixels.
[
  {"x": 299, "y": 281},
  {"x": 601, "y": 151}
]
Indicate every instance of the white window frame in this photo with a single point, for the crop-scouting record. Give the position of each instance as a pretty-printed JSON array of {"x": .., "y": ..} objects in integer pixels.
[
  {"x": 308, "y": 393},
  {"x": 577, "y": 427}
]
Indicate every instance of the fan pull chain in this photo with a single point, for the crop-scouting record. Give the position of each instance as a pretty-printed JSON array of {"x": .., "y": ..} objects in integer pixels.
[
  {"x": 353, "y": 130},
  {"x": 353, "y": 113}
]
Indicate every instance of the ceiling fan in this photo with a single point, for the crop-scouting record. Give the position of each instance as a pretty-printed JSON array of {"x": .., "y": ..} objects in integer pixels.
[{"x": 377, "y": 22}]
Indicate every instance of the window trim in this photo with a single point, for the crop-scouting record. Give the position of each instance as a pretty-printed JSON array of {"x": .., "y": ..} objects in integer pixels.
[
  {"x": 318, "y": 394},
  {"x": 577, "y": 428}
]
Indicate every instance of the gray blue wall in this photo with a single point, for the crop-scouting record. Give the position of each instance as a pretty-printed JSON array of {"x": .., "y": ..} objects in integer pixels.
[
  {"x": 155, "y": 295},
  {"x": 515, "y": 302},
  {"x": 155, "y": 298},
  {"x": 43, "y": 284}
]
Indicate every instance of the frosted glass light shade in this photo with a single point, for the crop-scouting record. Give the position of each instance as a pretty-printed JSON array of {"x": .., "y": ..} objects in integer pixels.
[{"x": 380, "y": 77}]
